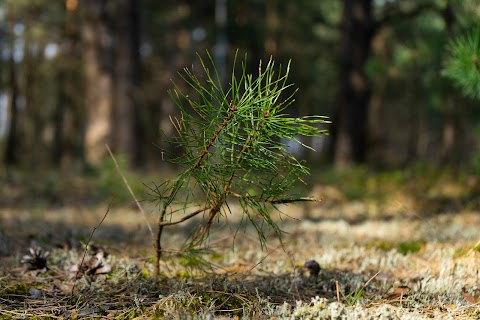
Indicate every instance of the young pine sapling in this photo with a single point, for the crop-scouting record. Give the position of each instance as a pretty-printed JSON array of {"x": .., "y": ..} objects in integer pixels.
[{"x": 232, "y": 145}]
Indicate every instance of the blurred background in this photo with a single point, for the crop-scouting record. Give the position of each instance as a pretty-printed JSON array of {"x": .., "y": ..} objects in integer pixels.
[
  {"x": 77, "y": 74},
  {"x": 399, "y": 171}
]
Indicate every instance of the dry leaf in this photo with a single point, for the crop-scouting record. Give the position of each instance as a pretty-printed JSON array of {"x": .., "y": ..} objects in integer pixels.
[
  {"x": 95, "y": 266},
  {"x": 401, "y": 290},
  {"x": 471, "y": 299},
  {"x": 398, "y": 292}
]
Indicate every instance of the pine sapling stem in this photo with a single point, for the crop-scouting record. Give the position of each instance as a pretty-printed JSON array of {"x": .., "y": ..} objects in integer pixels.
[
  {"x": 219, "y": 199},
  {"x": 172, "y": 194}
]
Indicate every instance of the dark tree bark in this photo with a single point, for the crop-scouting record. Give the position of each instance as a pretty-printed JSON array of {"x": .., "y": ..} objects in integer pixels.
[
  {"x": 349, "y": 132},
  {"x": 127, "y": 126}
]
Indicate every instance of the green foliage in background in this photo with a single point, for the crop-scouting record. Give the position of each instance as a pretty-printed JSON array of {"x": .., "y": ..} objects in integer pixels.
[
  {"x": 233, "y": 145},
  {"x": 462, "y": 65}
]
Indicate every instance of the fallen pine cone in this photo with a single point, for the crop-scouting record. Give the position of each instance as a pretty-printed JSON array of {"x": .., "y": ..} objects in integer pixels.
[
  {"x": 312, "y": 267},
  {"x": 36, "y": 259}
]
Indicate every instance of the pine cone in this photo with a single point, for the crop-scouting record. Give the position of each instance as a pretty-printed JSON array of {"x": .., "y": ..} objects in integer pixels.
[
  {"x": 36, "y": 259},
  {"x": 313, "y": 268}
]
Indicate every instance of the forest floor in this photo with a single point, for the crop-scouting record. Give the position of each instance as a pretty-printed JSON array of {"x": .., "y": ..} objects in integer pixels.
[{"x": 395, "y": 245}]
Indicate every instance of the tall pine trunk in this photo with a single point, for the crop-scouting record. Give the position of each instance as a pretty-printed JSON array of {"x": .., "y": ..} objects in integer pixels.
[
  {"x": 12, "y": 146},
  {"x": 68, "y": 115},
  {"x": 98, "y": 79},
  {"x": 349, "y": 132},
  {"x": 127, "y": 126}
]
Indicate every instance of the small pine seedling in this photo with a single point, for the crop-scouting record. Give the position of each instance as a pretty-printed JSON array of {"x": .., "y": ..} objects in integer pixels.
[{"x": 231, "y": 145}]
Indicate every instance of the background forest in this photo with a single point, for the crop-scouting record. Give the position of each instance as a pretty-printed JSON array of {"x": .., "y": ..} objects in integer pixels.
[
  {"x": 393, "y": 230},
  {"x": 77, "y": 74}
]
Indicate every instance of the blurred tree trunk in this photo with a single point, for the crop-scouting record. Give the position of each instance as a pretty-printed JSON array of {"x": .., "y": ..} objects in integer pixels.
[
  {"x": 450, "y": 149},
  {"x": 349, "y": 131},
  {"x": 221, "y": 41},
  {"x": 377, "y": 123},
  {"x": 416, "y": 121},
  {"x": 11, "y": 156},
  {"x": 59, "y": 148},
  {"x": 97, "y": 61},
  {"x": 127, "y": 127},
  {"x": 350, "y": 139},
  {"x": 13, "y": 141},
  {"x": 271, "y": 25},
  {"x": 35, "y": 113},
  {"x": 68, "y": 115}
]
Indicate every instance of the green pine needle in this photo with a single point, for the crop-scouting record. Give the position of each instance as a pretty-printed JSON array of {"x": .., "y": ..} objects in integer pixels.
[{"x": 462, "y": 65}]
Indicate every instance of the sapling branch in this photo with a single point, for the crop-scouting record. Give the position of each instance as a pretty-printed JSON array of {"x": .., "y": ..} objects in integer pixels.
[
  {"x": 188, "y": 216},
  {"x": 278, "y": 201},
  {"x": 231, "y": 110}
]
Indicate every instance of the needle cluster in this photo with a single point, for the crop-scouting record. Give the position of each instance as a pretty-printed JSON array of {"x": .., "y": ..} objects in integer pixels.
[{"x": 462, "y": 64}]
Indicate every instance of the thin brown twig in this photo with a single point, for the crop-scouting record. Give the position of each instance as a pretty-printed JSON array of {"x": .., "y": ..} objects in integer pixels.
[
  {"x": 130, "y": 190},
  {"x": 370, "y": 280},
  {"x": 263, "y": 258},
  {"x": 337, "y": 286},
  {"x": 87, "y": 244},
  {"x": 188, "y": 216}
]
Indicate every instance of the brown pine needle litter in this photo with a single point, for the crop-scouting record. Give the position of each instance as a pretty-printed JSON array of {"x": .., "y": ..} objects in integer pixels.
[{"x": 407, "y": 267}]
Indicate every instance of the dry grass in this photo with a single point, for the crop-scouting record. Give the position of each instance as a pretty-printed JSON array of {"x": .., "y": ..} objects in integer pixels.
[{"x": 421, "y": 264}]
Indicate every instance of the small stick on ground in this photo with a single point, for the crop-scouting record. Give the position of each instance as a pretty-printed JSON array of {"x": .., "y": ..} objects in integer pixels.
[{"x": 337, "y": 286}]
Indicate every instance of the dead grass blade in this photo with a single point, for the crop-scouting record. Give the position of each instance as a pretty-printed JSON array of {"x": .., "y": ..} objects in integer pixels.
[
  {"x": 130, "y": 190},
  {"x": 88, "y": 242}
]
